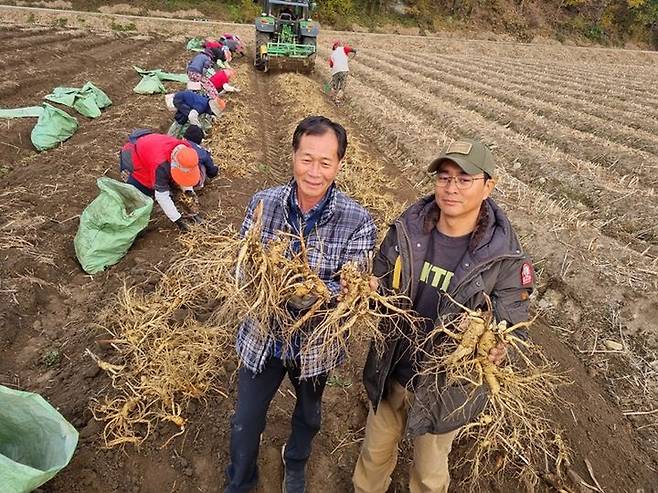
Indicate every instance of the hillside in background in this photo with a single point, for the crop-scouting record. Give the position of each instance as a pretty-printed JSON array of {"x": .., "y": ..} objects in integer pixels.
[
  {"x": 612, "y": 22},
  {"x": 632, "y": 23}
]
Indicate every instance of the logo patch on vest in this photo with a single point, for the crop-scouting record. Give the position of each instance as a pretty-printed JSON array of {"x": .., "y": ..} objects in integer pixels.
[{"x": 527, "y": 277}]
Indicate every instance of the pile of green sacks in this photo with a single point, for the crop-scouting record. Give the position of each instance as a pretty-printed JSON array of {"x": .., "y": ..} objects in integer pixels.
[{"x": 54, "y": 125}]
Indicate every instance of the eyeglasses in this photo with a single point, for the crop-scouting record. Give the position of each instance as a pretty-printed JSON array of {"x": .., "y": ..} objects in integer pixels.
[{"x": 462, "y": 182}]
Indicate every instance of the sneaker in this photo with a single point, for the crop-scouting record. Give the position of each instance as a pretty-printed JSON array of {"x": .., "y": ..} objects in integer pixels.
[{"x": 293, "y": 481}]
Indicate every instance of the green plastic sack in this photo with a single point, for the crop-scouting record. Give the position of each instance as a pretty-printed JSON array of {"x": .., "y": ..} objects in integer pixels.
[
  {"x": 25, "y": 112},
  {"x": 87, "y": 100},
  {"x": 162, "y": 75},
  {"x": 36, "y": 442},
  {"x": 195, "y": 44},
  {"x": 102, "y": 99},
  {"x": 109, "y": 225},
  {"x": 53, "y": 127},
  {"x": 171, "y": 76},
  {"x": 90, "y": 100},
  {"x": 150, "y": 84}
]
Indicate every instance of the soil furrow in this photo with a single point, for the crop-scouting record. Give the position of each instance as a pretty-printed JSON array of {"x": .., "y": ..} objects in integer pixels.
[
  {"x": 523, "y": 115},
  {"x": 39, "y": 82},
  {"x": 60, "y": 49},
  {"x": 547, "y": 99},
  {"x": 610, "y": 89},
  {"x": 602, "y": 202},
  {"x": 40, "y": 42}
]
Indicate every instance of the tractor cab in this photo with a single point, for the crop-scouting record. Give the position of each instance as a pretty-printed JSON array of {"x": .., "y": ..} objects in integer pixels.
[{"x": 286, "y": 36}]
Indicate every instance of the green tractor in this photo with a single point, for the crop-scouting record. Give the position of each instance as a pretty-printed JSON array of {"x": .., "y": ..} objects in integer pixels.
[{"x": 286, "y": 36}]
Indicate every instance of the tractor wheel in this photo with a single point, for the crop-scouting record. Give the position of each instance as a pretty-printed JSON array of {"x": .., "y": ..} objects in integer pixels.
[
  {"x": 309, "y": 64},
  {"x": 261, "y": 63}
]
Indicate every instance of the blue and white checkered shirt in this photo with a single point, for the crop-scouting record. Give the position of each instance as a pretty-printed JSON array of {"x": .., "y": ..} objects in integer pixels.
[{"x": 345, "y": 231}]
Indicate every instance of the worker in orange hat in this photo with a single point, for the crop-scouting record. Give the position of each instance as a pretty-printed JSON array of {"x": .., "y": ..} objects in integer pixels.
[{"x": 159, "y": 165}]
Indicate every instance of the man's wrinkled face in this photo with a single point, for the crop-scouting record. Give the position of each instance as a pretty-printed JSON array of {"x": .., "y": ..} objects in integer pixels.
[{"x": 315, "y": 165}]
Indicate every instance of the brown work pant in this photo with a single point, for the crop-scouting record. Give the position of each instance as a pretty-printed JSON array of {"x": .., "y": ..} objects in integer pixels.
[{"x": 379, "y": 451}]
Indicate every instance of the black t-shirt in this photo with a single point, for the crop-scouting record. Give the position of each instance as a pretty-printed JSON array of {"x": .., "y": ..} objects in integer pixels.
[{"x": 441, "y": 259}]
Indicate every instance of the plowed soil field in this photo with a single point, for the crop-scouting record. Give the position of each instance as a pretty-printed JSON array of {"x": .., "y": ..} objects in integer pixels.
[{"x": 575, "y": 135}]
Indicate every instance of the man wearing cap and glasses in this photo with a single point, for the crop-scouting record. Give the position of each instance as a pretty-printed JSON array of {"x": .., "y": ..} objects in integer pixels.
[{"x": 459, "y": 242}]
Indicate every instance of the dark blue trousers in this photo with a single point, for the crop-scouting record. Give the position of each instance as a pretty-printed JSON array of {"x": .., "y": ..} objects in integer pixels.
[
  {"x": 255, "y": 392},
  {"x": 182, "y": 110}
]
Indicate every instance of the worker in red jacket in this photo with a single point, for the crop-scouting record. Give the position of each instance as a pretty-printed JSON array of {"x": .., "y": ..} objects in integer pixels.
[
  {"x": 157, "y": 165},
  {"x": 221, "y": 80}
]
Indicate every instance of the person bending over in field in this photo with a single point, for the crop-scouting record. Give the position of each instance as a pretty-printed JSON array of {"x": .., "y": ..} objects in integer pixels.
[
  {"x": 194, "y": 109},
  {"x": 456, "y": 242},
  {"x": 160, "y": 165},
  {"x": 336, "y": 230},
  {"x": 198, "y": 70},
  {"x": 233, "y": 42},
  {"x": 221, "y": 80}
]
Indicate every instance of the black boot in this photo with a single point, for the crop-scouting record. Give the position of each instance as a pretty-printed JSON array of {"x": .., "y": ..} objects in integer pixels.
[{"x": 294, "y": 481}]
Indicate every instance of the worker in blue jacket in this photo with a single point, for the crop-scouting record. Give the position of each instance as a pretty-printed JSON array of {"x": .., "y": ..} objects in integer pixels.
[
  {"x": 194, "y": 136},
  {"x": 189, "y": 107}
]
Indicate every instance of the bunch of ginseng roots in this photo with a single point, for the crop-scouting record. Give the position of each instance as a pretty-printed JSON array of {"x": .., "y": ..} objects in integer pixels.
[
  {"x": 265, "y": 278},
  {"x": 165, "y": 357},
  {"x": 512, "y": 435},
  {"x": 167, "y": 349},
  {"x": 172, "y": 344}
]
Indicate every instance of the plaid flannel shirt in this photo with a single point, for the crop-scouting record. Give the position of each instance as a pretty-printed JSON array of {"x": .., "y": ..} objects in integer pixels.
[{"x": 344, "y": 232}]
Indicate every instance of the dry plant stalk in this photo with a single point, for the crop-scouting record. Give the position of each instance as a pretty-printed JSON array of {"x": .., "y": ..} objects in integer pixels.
[
  {"x": 230, "y": 143},
  {"x": 512, "y": 433},
  {"x": 164, "y": 364},
  {"x": 199, "y": 276}
]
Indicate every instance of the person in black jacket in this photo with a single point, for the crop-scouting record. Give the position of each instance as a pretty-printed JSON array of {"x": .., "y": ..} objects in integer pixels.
[{"x": 459, "y": 242}]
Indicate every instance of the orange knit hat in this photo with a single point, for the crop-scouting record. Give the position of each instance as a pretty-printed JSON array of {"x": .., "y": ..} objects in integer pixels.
[{"x": 185, "y": 166}]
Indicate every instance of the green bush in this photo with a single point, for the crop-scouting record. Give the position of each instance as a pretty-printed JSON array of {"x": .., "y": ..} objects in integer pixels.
[
  {"x": 594, "y": 32},
  {"x": 338, "y": 13},
  {"x": 129, "y": 26},
  {"x": 246, "y": 11}
]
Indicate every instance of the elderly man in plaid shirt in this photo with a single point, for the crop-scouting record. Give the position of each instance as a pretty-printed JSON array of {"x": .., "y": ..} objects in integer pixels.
[{"x": 336, "y": 230}]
